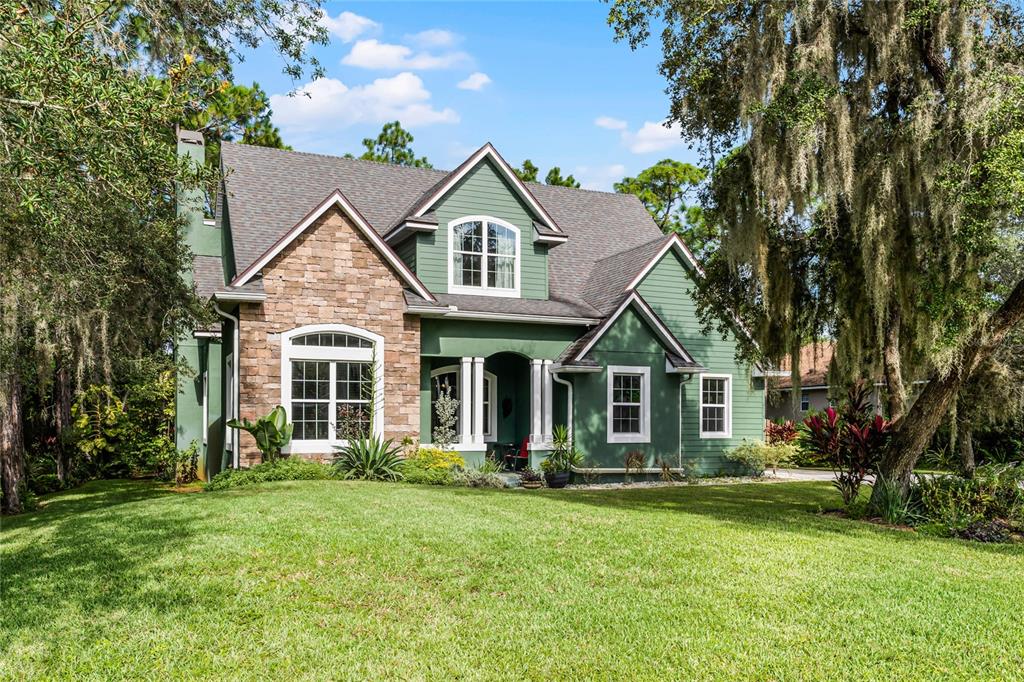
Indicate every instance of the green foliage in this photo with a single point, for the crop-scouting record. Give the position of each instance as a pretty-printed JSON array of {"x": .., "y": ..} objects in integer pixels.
[
  {"x": 757, "y": 456},
  {"x": 99, "y": 422},
  {"x": 272, "y": 432},
  {"x": 287, "y": 469},
  {"x": 564, "y": 455},
  {"x": 392, "y": 146},
  {"x": 663, "y": 189},
  {"x": 369, "y": 459},
  {"x": 436, "y": 458},
  {"x": 955, "y": 503},
  {"x": 490, "y": 466},
  {"x": 890, "y": 503},
  {"x": 418, "y": 471},
  {"x": 477, "y": 478},
  {"x": 528, "y": 172},
  {"x": 554, "y": 177},
  {"x": 235, "y": 112}
]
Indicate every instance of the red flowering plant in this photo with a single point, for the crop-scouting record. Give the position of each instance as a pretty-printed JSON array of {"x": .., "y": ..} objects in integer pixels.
[
  {"x": 851, "y": 442},
  {"x": 781, "y": 432}
]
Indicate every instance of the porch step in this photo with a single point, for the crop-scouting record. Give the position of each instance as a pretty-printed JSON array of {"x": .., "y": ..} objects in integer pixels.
[{"x": 511, "y": 480}]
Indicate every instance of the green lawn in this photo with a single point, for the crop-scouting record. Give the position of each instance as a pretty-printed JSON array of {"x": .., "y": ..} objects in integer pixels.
[{"x": 327, "y": 579}]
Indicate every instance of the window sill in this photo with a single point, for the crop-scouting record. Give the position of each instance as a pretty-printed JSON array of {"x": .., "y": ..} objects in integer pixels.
[
  {"x": 622, "y": 438},
  {"x": 715, "y": 436},
  {"x": 481, "y": 291}
]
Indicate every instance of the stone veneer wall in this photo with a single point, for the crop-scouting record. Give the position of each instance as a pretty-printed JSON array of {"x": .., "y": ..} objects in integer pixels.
[{"x": 330, "y": 274}]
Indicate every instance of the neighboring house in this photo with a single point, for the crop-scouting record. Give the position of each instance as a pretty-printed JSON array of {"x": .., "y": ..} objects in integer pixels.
[
  {"x": 351, "y": 292},
  {"x": 814, "y": 363}
]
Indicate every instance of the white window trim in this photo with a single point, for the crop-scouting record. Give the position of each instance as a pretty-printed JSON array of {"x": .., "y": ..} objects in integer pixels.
[
  {"x": 332, "y": 354},
  {"x": 206, "y": 406},
  {"x": 728, "y": 407},
  {"x": 491, "y": 427},
  {"x": 483, "y": 289},
  {"x": 645, "y": 404}
]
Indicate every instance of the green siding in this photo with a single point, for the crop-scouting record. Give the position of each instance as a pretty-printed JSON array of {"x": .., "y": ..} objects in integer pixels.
[
  {"x": 407, "y": 252},
  {"x": 200, "y": 355},
  {"x": 668, "y": 288},
  {"x": 458, "y": 338},
  {"x": 482, "y": 192},
  {"x": 628, "y": 342}
]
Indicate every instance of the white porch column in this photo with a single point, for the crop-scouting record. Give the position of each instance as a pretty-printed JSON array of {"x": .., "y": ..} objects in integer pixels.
[
  {"x": 478, "y": 401},
  {"x": 536, "y": 399},
  {"x": 547, "y": 406},
  {"x": 465, "y": 400}
]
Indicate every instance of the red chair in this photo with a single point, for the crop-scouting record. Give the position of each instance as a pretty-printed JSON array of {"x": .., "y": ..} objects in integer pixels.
[{"x": 522, "y": 458}]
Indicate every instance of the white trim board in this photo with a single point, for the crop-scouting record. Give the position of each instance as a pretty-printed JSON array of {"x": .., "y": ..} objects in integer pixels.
[
  {"x": 644, "y": 372},
  {"x": 333, "y": 355},
  {"x": 483, "y": 289},
  {"x": 711, "y": 435},
  {"x": 336, "y": 198}
]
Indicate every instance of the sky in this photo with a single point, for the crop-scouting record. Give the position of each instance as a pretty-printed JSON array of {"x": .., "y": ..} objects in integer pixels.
[{"x": 539, "y": 80}]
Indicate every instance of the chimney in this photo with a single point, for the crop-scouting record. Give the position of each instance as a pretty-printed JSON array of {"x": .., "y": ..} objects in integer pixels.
[{"x": 191, "y": 201}]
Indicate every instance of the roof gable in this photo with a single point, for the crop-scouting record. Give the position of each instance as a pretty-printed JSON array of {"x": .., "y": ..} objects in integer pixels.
[
  {"x": 335, "y": 199},
  {"x": 486, "y": 154},
  {"x": 632, "y": 302}
]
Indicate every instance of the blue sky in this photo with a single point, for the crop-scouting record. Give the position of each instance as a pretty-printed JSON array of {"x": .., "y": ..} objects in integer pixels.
[{"x": 540, "y": 80}]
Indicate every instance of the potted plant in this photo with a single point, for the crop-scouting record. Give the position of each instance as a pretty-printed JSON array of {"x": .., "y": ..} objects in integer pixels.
[
  {"x": 564, "y": 456},
  {"x": 530, "y": 478}
]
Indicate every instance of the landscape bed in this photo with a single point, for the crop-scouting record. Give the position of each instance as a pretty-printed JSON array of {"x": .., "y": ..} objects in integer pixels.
[{"x": 334, "y": 579}]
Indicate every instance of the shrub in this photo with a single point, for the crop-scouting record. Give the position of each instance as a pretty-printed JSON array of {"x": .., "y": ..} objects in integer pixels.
[
  {"x": 529, "y": 475},
  {"x": 272, "y": 432},
  {"x": 42, "y": 484},
  {"x": 436, "y": 458},
  {"x": 415, "y": 471},
  {"x": 781, "y": 432},
  {"x": 287, "y": 469},
  {"x": 851, "y": 442},
  {"x": 756, "y": 456},
  {"x": 477, "y": 478},
  {"x": 957, "y": 503},
  {"x": 892, "y": 505},
  {"x": 369, "y": 459},
  {"x": 564, "y": 456}
]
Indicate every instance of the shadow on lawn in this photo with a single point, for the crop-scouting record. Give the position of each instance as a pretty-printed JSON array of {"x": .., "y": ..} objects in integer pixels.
[{"x": 80, "y": 549}]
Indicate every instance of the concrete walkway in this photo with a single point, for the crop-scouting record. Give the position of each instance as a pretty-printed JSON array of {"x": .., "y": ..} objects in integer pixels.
[{"x": 806, "y": 475}]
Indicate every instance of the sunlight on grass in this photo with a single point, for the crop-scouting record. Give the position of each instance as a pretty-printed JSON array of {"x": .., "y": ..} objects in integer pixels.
[{"x": 357, "y": 580}]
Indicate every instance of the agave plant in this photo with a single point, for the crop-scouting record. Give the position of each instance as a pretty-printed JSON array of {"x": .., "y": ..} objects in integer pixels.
[
  {"x": 369, "y": 459},
  {"x": 272, "y": 432}
]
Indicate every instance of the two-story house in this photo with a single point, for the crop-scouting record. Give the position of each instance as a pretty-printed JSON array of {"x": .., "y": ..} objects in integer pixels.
[{"x": 353, "y": 292}]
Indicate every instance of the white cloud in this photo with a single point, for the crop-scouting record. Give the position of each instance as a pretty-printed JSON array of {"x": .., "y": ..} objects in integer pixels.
[
  {"x": 433, "y": 37},
  {"x": 475, "y": 81},
  {"x": 599, "y": 177},
  {"x": 348, "y": 26},
  {"x": 652, "y": 137},
  {"x": 610, "y": 123},
  {"x": 327, "y": 103},
  {"x": 373, "y": 54}
]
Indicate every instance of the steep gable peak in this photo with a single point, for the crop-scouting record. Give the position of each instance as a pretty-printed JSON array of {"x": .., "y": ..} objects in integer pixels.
[{"x": 545, "y": 227}]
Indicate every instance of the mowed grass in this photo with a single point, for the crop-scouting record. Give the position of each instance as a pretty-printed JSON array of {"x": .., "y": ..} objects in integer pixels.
[{"x": 348, "y": 580}]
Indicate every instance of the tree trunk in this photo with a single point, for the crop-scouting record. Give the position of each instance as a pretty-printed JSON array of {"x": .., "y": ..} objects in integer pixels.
[
  {"x": 892, "y": 364},
  {"x": 62, "y": 418},
  {"x": 912, "y": 433},
  {"x": 965, "y": 444},
  {"x": 12, "y": 450}
]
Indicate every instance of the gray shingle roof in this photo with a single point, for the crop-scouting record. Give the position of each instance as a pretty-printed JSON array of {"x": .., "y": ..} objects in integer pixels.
[
  {"x": 208, "y": 273},
  {"x": 610, "y": 276},
  {"x": 270, "y": 190}
]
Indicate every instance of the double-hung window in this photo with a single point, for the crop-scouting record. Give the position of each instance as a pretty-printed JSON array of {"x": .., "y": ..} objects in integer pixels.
[
  {"x": 715, "y": 406},
  {"x": 331, "y": 385},
  {"x": 484, "y": 257},
  {"x": 629, "y": 404}
]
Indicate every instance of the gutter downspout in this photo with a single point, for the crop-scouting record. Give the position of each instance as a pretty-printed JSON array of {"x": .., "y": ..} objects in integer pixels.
[
  {"x": 568, "y": 386},
  {"x": 683, "y": 379},
  {"x": 234, "y": 378}
]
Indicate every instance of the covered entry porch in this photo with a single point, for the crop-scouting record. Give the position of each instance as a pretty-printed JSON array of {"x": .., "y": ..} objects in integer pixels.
[{"x": 501, "y": 375}]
